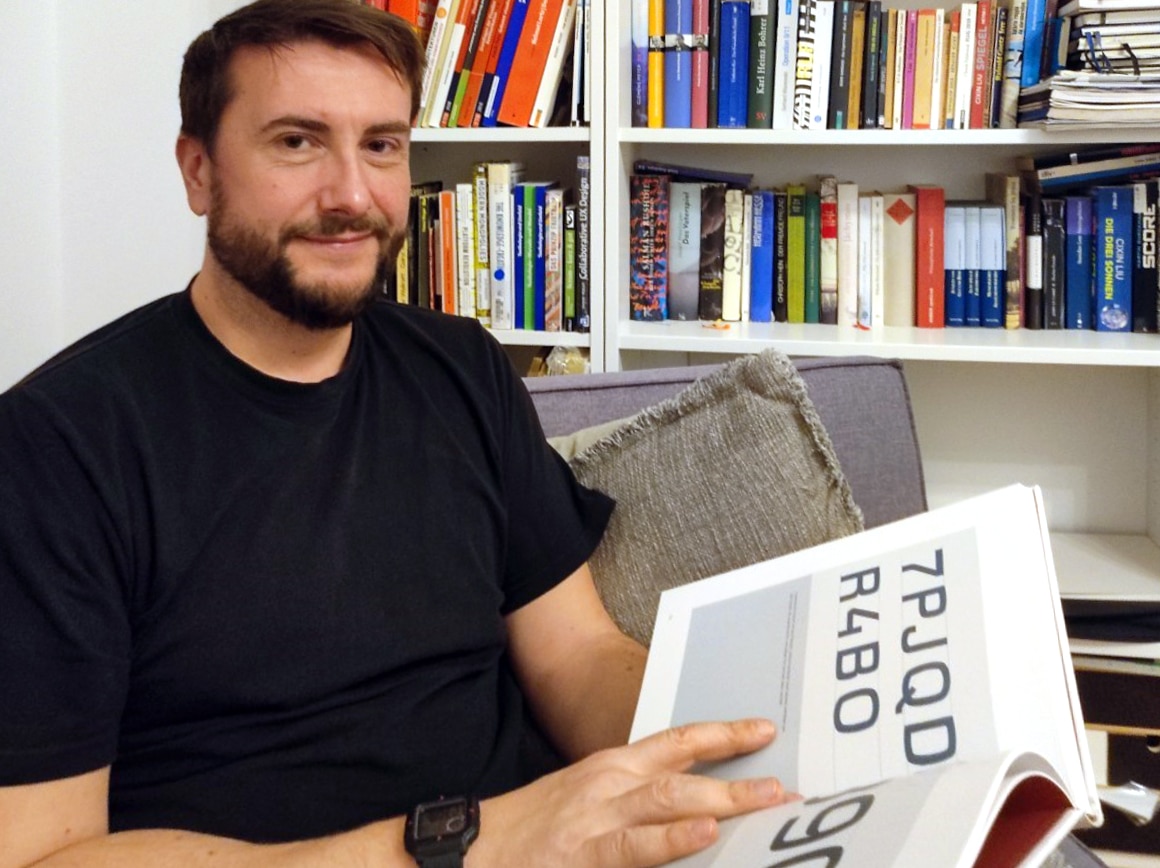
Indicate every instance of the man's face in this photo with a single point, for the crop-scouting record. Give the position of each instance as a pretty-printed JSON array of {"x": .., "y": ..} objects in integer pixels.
[{"x": 310, "y": 179}]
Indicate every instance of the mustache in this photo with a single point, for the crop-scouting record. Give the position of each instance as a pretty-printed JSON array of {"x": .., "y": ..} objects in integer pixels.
[{"x": 337, "y": 224}]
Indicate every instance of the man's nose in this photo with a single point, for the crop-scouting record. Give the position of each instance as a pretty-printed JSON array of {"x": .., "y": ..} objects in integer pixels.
[{"x": 345, "y": 190}]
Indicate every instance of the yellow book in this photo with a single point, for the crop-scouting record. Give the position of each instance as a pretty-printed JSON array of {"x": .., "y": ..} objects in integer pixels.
[
  {"x": 795, "y": 252},
  {"x": 924, "y": 61},
  {"x": 656, "y": 63},
  {"x": 857, "y": 50}
]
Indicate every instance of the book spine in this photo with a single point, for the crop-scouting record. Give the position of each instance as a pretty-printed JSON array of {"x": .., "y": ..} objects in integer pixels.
[
  {"x": 884, "y": 67},
  {"x": 699, "y": 111},
  {"x": 820, "y": 79},
  {"x": 553, "y": 71},
  {"x": 746, "y": 253},
  {"x": 1078, "y": 277},
  {"x": 854, "y": 73},
  {"x": 796, "y": 252},
  {"x": 929, "y": 277},
  {"x": 733, "y": 77},
  {"x": 981, "y": 72},
  {"x": 877, "y": 262},
  {"x": 465, "y": 248},
  {"x": 534, "y": 256},
  {"x": 503, "y": 64},
  {"x": 898, "y": 237},
  {"x": 1001, "y": 24},
  {"x": 836, "y": 116},
  {"x": 639, "y": 75},
  {"x": 713, "y": 96},
  {"x": 656, "y": 63},
  {"x": 491, "y": 60},
  {"x": 865, "y": 261},
  {"x": 554, "y": 260},
  {"x": 761, "y": 80},
  {"x": 473, "y": 28},
  {"x": 1033, "y": 263},
  {"x": 828, "y": 250},
  {"x": 530, "y": 60},
  {"x": 583, "y": 243},
  {"x": 1146, "y": 200},
  {"x": 1054, "y": 261},
  {"x": 973, "y": 251},
  {"x": 938, "y": 70},
  {"x": 813, "y": 253},
  {"x": 761, "y": 260},
  {"x": 785, "y": 62},
  {"x": 481, "y": 246},
  {"x": 684, "y": 250},
  {"x": 899, "y": 74},
  {"x": 924, "y": 60},
  {"x": 1013, "y": 64},
  {"x": 955, "y": 26},
  {"x": 870, "y": 68},
  {"x": 780, "y": 255},
  {"x": 965, "y": 74},
  {"x": 908, "y": 69},
  {"x": 569, "y": 270},
  {"x": 450, "y": 56},
  {"x": 848, "y": 253},
  {"x": 502, "y": 178},
  {"x": 1034, "y": 28},
  {"x": 435, "y": 44},
  {"x": 993, "y": 264},
  {"x": 448, "y": 259},
  {"x": 581, "y": 62},
  {"x": 712, "y": 251},
  {"x": 648, "y": 245},
  {"x": 1003, "y": 189},
  {"x": 1112, "y": 260},
  {"x": 731, "y": 282},
  {"x": 678, "y": 90},
  {"x": 955, "y": 265},
  {"x": 804, "y": 67}
]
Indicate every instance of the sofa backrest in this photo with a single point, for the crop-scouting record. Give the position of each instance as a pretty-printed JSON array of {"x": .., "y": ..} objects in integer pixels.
[{"x": 862, "y": 401}]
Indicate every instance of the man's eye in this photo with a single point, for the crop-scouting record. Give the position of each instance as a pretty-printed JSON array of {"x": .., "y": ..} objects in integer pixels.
[
  {"x": 294, "y": 142},
  {"x": 383, "y": 147}
]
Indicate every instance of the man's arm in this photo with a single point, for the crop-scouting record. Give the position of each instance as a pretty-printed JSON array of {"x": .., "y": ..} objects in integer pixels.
[{"x": 579, "y": 672}]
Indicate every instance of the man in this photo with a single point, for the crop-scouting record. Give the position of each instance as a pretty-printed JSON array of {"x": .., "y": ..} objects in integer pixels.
[{"x": 280, "y": 560}]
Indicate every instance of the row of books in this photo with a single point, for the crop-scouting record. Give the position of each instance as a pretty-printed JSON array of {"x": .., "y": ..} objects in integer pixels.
[
  {"x": 509, "y": 251},
  {"x": 493, "y": 62},
  {"x": 833, "y": 253}
]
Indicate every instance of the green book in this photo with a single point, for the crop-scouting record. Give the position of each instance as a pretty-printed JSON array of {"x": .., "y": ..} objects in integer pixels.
[{"x": 813, "y": 257}]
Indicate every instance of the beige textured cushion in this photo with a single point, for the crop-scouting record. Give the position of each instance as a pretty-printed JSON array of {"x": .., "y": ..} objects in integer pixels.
[{"x": 735, "y": 469}]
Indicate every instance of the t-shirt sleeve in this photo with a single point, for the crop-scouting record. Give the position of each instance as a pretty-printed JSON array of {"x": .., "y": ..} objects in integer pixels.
[
  {"x": 554, "y": 522},
  {"x": 64, "y": 637}
]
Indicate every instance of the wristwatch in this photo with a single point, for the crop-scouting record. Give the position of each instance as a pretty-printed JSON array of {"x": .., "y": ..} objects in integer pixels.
[{"x": 437, "y": 834}]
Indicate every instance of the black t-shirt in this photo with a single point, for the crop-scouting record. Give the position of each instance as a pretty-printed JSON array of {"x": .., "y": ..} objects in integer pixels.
[{"x": 276, "y": 609}]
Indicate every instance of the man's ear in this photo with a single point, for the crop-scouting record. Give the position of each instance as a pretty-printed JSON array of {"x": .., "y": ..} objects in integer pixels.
[{"x": 195, "y": 164}]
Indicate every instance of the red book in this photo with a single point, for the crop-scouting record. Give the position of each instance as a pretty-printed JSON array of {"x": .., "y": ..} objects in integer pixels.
[
  {"x": 523, "y": 84},
  {"x": 492, "y": 62},
  {"x": 982, "y": 72},
  {"x": 699, "y": 116},
  {"x": 488, "y": 36},
  {"x": 929, "y": 277}
]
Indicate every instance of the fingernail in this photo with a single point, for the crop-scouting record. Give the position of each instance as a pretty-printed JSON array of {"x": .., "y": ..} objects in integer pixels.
[{"x": 768, "y": 789}]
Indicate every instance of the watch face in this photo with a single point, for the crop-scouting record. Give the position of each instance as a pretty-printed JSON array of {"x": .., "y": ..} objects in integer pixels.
[{"x": 440, "y": 819}]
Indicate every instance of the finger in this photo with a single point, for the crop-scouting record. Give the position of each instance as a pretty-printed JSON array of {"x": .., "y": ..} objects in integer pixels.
[
  {"x": 645, "y": 846},
  {"x": 681, "y": 747},
  {"x": 668, "y": 798}
]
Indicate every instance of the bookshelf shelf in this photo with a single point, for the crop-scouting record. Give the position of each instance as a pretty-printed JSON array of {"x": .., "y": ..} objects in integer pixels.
[
  {"x": 496, "y": 135},
  {"x": 1029, "y": 138},
  {"x": 523, "y": 338}
]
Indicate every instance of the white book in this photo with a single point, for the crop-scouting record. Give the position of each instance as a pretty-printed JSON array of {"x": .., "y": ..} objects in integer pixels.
[
  {"x": 554, "y": 66},
  {"x": 785, "y": 64},
  {"x": 870, "y": 654},
  {"x": 877, "y": 262},
  {"x": 865, "y": 261},
  {"x": 440, "y": 25},
  {"x": 746, "y": 254},
  {"x": 823, "y": 53},
  {"x": 445, "y": 67},
  {"x": 501, "y": 177},
  {"x": 898, "y": 248},
  {"x": 731, "y": 262},
  {"x": 965, "y": 74},
  {"x": 847, "y": 253},
  {"x": 578, "y": 63},
  {"x": 465, "y": 248}
]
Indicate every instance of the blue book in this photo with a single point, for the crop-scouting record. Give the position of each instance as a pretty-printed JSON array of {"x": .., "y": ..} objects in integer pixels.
[
  {"x": 733, "y": 75},
  {"x": 678, "y": 63},
  {"x": 511, "y": 40},
  {"x": 761, "y": 258},
  {"x": 1034, "y": 35},
  {"x": 639, "y": 36},
  {"x": 517, "y": 277},
  {"x": 1112, "y": 257},
  {"x": 992, "y": 263},
  {"x": 1077, "y": 281},
  {"x": 539, "y": 271},
  {"x": 955, "y": 263},
  {"x": 972, "y": 264}
]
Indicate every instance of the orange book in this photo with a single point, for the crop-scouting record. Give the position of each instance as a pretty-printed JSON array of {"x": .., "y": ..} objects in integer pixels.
[
  {"x": 531, "y": 56},
  {"x": 929, "y": 270},
  {"x": 447, "y": 252},
  {"x": 468, "y": 10},
  {"x": 656, "y": 63},
  {"x": 489, "y": 35}
]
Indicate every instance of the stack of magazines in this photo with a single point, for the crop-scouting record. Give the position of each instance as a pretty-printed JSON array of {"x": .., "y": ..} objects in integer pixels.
[{"x": 1111, "y": 73}]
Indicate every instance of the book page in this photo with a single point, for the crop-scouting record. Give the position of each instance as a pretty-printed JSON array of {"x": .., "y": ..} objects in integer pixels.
[{"x": 932, "y": 640}]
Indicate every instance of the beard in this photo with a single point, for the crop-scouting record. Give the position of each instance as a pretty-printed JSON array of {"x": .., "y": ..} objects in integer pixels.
[{"x": 263, "y": 268}]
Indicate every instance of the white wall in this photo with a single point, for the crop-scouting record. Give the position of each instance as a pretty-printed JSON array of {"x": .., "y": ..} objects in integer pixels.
[{"x": 94, "y": 220}]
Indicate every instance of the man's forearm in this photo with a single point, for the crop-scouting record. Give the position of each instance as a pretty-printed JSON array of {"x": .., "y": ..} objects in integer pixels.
[{"x": 378, "y": 844}]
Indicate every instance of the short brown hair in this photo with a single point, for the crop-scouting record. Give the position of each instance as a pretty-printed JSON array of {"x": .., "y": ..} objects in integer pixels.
[{"x": 205, "y": 87}]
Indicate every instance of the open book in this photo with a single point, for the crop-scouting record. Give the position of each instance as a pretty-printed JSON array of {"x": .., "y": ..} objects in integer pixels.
[{"x": 920, "y": 678}]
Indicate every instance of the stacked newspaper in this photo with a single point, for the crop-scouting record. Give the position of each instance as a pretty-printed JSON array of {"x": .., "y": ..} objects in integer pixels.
[{"x": 1084, "y": 99}]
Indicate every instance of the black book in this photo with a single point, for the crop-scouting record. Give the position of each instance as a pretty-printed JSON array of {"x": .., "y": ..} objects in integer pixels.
[
  {"x": 714, "y": 59},
  {"x": 840, "y": 66},
  {"x": 1054, "y": 261},
  {"x": 870, "y": 64},
  {"x": 780, "y": 256},
  {"x": 1033, "y": 251},
  {"x": 1145, "y": 278},
  {"x": 709, "y": 299}
]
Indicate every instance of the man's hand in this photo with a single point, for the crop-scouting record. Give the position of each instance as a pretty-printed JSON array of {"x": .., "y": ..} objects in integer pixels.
[{"x": 627, "y": 807}]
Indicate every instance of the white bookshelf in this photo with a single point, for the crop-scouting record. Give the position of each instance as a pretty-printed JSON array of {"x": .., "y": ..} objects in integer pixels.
[{"x": 1075, "y": 412}]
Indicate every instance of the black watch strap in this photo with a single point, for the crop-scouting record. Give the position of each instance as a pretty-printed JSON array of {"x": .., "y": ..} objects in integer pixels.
[{"x": 443, "y": 860}]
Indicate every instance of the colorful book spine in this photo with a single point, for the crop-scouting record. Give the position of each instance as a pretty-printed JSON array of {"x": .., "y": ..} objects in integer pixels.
[
  {"x": 1078, "y": 273},
  {"x": 761, "y": 259},
  {"x": 796, "y": 252},
  {"x": 924, "y": 64},
  {"x": 973, "y": 250},
  {"x": 656, "y": 63},
  {"x": 699, "y": 111},
  {"x": 569, "y": 267},
  {"x": 1003, "y": 189},
  {"x": 1013, "y": 64},
  {"x": 712, "y": 251},
  {"x": 804, "y": 65},
  {"x": 559, "y": 48},
  {"x": 1033, "y": 263},
  {"x": 908, "y": 69},
  {"x": 994, "y": 101},
  {"x": 733, "y": 77},
  {"x": 473, "y": 29},
  {"x": 583, "y": 243},
  {"x": 992, "y": 264},
  {"x": 554, "y": 259},
  {"x": 929, "y": 278},
  {"x": 503, "y": 65},
  {"x": 836, "y": 115},
  {"x": 981, "y": 72},
  {"x": 1034, "y": 29},
  {"x": 678, "y": 90},
  {"x": 965, "y": 74},
  {"x": 648, "y": 247},
  {"x": 639, "y": 75},
  {"x": 828, "y": 250},
  {"x": 487, "y": 84},
  {"x": 955, "y": 265},
  {"x": 502, "y": 178},
  {"x": 684, "y": 250},
  {"x": 785, "y": 53},
  {"x": 1054, "y": 261},
  {"x": 780, "y": 254},
  {"x": 1145, "y": 289},
  {"x": 529, "y": 63},
  {"x": 746, "y": 252},
  {"x": 759, "y": 101},
  {"x": 481, "y": 268},
  {"x": 854, "y": 74},
  {"x": 821, "y": 66},
  {"x": 1112, "y": 259},
  {"x": 732, "y": 284}
]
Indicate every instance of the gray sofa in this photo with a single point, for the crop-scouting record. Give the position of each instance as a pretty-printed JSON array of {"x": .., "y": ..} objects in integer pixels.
[{"x": 862, "y": 401}]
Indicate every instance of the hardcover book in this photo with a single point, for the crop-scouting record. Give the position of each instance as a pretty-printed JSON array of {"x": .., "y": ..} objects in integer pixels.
[
  {"x": 678, "y": 63},
  {"x": 828, "y": 250},
  {"x": 788, "y": 20},
  {"x": 898, "y": 235},
  {"x": 1078, "y": 273},
  {"x": 837, "y": 116},
  {"x": 929, "y": 277},
  {"x": 955, "y": 264},
  {"x": 1003, "y": 189},
  {"x": 992, "y": 264},
  {"x": 1033, "y": 263},
  {"x": 1112, "y": 257},
  {"x": 732, "y": 282},
  {"x": 1145, "y": 204},
  {"x": 1054, "y": 261},
  {"x": 684, "y": 250},
  {"x": 733, "y": 75},
  {"x": 648, "y": 246},
  {"x": 709, "y": 301},
  {"x": 699, "y": 111},
  {"x": 879, "y": 726},
  {"x": 761, "y": 259},
  {"x": 759, "y": 104}
]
